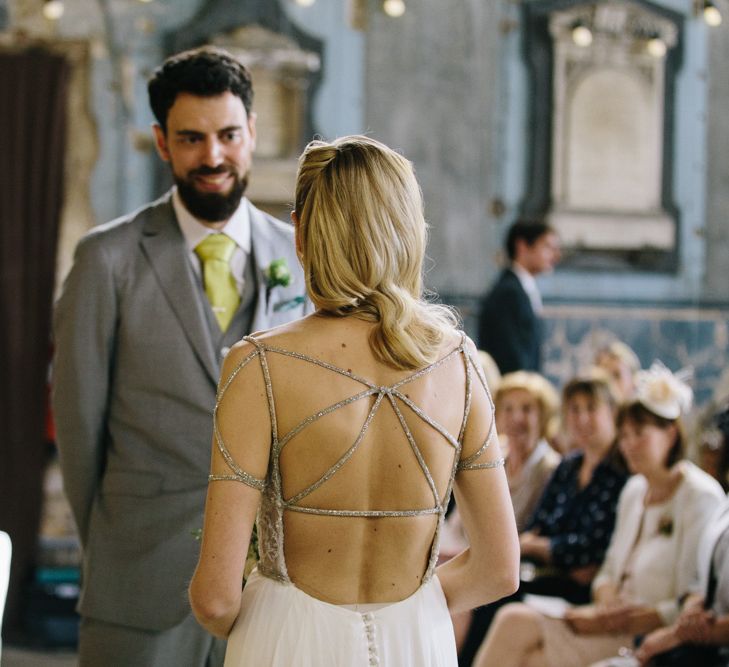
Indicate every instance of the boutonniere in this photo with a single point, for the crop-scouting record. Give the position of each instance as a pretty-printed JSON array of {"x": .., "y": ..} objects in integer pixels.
[
  {"x": 665, "y": 526},
  {"x": 278, "y": 274}
]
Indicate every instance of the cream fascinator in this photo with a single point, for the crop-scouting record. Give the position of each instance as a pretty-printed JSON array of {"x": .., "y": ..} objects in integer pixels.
[{"x": 664, "y": 393}]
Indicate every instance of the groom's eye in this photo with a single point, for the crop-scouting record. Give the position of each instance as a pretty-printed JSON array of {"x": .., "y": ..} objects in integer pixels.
[{"x": 231, "y": 135}]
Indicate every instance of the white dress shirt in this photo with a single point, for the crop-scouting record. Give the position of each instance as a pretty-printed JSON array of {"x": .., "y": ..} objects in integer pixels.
[{"x": 238, "y": 228}]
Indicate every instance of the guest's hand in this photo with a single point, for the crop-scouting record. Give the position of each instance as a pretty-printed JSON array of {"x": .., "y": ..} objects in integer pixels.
[
  {"x": 584, "y": 620},
  {"x": 658, "y": 641},
  {"x": 692, "y": 602},
  {"x": 632, "y": 619},
  {"x": 535, "y": 546},
  {"x": 616, "y": 616},
  {"x": 584, "y": 575},
  {"x": 694, "y": 625}
]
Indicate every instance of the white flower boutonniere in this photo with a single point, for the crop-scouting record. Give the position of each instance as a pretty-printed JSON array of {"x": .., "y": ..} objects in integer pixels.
[{"x": 278, "y": 274}]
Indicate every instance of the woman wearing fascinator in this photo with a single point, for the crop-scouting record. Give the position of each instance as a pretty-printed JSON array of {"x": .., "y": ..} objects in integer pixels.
[{"x": 652, "y": 556}]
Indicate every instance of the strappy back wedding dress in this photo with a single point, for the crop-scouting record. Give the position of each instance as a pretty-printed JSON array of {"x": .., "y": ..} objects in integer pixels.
[{"x": 356, "y": 456}]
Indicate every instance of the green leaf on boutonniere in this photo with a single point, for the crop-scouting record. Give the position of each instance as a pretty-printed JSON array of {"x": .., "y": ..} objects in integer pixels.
[{"x": 277, "y": 274}]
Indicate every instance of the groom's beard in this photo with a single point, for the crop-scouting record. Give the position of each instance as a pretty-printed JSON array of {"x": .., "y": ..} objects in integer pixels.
[{"x": 211, "y": 206}]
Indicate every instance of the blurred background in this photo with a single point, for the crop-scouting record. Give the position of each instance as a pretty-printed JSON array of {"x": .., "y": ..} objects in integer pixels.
[{"x": 606, "y": 118}]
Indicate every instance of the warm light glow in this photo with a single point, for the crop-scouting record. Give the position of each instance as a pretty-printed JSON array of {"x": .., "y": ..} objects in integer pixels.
[
  {"x": 146, "y": 0},
  {"x": 53, "y": 9},
  {"x": 656, "y": 47},
  {"x": 305, "y": 3},
  {"x": 581, "y": 35},
  {"x": 712, "y": 15},
  {"x": 394, "y": 8}
]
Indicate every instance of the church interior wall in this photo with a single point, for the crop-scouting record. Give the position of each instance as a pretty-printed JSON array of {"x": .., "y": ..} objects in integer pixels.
[{"x": 445, "y": 84}]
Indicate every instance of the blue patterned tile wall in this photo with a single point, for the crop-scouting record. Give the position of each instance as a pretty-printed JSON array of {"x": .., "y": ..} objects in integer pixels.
[{"x": 678, "y": 336}]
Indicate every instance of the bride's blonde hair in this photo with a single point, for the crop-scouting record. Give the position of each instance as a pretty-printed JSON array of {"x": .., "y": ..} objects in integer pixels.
[{"x": 363, "y": 238}]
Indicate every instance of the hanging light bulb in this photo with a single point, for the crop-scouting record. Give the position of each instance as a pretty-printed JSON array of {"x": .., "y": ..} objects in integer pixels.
[
  {"x": 712, "y": 15},
  {"x": 305, "y": 3},
  {"x": 581, "y": 34},
  {"x": 53, "y": 9},
  {"x": 656, "y": 47},
  {"x": 394, "y": 8}
]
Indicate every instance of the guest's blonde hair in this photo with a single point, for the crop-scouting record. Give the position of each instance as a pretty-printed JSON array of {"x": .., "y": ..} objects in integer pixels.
[
  {"x": 363, "y": 236},
  {"x": 536, "y": 385}
]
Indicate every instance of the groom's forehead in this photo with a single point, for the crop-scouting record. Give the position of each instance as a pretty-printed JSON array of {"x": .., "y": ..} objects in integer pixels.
[{"x": 206, "y": 114}]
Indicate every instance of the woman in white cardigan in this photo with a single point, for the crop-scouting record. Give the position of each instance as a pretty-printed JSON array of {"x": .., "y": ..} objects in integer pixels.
[{"x": 652, "y": 555}]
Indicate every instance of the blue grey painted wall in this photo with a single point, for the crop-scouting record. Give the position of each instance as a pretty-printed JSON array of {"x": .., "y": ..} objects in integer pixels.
[{"x": 447, "y": 85}]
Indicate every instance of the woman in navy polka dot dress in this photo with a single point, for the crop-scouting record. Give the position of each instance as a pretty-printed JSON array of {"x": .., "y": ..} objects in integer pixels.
[
  {"x": 565, "y": 541},
  {"x": 568, "y": 535}
]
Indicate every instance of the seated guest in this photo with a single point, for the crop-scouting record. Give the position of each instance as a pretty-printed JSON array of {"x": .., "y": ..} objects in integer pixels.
[
  {"x": 565, "y": 540},
  {"x": 621, "y": 364},
  {"x": 571, "y": 527},
  {"x": 525, "y": 402},
  {"x": 700, "y": 635},
  {"x": 663, "y": 509}
]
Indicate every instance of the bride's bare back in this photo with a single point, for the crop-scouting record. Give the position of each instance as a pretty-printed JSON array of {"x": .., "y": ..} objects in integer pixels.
[{"x": 365, "y": 453}]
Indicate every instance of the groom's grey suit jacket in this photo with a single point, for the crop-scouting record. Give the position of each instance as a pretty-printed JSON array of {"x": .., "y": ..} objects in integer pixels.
[{"x": 135, "y": 374}]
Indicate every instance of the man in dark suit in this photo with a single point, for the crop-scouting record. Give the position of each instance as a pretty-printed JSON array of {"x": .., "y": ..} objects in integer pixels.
[
  {"x": 510, "y": 327},
  {"x": 152, "y": 304}
]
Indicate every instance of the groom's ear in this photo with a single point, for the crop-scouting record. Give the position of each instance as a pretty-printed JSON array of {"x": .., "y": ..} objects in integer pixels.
[{"x": 160, "y": 142}]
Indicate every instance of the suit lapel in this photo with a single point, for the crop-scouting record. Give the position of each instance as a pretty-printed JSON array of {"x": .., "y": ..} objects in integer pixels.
[
  {"x": 264, "y": 252},
  {"x": 165, "y": 248}
]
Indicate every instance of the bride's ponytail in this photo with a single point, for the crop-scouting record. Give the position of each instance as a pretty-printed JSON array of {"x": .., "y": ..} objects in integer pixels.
[{"x": 363, "y": 237}]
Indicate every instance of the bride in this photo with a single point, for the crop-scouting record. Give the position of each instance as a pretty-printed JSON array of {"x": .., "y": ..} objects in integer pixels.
[{"x": 345, "y": 433}]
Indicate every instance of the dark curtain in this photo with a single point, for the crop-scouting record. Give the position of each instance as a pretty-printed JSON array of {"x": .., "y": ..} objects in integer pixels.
[{"x": 33, "y": 87}]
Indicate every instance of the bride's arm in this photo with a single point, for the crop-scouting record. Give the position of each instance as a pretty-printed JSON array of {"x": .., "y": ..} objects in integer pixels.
[
  {"x": 243, "y": 424},
  {"x": 489, "y": 568},
  {"x": 215, "y": 589}
]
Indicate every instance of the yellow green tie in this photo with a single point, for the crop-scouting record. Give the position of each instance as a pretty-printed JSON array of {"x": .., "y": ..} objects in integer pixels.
[{"x": 215, "y": 252}]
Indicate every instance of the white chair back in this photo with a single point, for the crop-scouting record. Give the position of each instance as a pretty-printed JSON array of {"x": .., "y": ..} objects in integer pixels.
[{"x": 6, "y": 549}]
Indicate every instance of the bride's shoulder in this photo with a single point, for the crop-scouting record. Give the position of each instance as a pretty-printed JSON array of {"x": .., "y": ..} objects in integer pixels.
[
  {"x": 456, "y": 338},
  {"x": 292, "y": 336}
]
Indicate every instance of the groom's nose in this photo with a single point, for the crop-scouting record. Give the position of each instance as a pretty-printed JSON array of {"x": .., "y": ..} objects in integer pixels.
[{"x": 212, "y": 152}]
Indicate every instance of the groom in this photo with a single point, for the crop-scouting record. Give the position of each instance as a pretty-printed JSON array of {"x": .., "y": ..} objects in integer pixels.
[{"x": 152, "y": 304}]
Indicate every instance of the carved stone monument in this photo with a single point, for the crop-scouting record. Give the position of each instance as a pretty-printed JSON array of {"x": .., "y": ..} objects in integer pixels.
[{"x": 608, "y": 126}]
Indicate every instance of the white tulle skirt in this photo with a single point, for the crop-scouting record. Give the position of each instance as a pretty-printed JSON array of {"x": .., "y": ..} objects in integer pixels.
[{"x": 281, "y": 626}]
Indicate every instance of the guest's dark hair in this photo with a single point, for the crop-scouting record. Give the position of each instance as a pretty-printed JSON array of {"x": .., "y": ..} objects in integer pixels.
[
  {"x": 206, "y": 72},
  {"x": 640, "y": 415},
  {"x": 597, "y": 387},
  {"x": 528, "y": 230}
]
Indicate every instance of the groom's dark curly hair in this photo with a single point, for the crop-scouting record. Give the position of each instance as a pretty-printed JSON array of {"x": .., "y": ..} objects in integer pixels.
[{"x": 207, "y": 71}]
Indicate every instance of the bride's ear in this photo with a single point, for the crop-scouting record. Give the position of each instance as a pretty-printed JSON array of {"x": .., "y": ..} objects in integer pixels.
[{"x": 297, "y": 236}]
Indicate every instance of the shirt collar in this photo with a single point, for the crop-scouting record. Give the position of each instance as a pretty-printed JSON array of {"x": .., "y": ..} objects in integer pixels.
[
  {"x": 540, "y": 451},
  {"x": 530, "y": 286},
  {"x": 525, "y": 278},
  {"x": 238, "y": 226}
]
